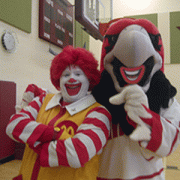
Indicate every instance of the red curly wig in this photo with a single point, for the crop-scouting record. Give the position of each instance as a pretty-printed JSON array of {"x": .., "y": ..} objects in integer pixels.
[{"x": 77, "y": 56}]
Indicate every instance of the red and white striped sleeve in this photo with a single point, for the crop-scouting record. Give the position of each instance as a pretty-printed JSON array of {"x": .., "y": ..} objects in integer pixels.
[
  {"x": 23, "y": 127},
  {"x": 30, "y": 93},
  {"x": 90, "y": 138},
  {"x": 165, "y": 131}
]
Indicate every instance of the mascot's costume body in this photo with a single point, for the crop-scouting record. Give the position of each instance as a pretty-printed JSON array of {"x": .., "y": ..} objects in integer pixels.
[{"x": 145, "y": 114}]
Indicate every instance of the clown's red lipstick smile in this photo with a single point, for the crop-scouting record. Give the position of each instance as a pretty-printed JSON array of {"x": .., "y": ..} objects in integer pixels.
[{"x": 73, "y": 89}]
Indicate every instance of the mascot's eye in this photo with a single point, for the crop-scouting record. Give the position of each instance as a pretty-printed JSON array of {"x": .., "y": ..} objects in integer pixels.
[
  {"x": 155, "y": 41},
  {"x": 112, "y": 41}
]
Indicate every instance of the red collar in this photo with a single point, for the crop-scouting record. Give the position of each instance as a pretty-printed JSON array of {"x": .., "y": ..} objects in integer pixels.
[{"x": 63, "y": 103}]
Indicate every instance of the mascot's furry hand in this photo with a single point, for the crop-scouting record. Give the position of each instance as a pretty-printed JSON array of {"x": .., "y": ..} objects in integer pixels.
[{"x": 135, "y": 99}]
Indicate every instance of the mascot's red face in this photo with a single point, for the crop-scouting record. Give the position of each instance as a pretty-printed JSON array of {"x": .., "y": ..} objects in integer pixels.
[{"x": 132, "y": 52}]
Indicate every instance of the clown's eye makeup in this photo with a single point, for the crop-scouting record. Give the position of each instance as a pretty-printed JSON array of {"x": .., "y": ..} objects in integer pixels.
[
  {"x": 66, "y": 74},
  {"x": 78, "y": 73}
]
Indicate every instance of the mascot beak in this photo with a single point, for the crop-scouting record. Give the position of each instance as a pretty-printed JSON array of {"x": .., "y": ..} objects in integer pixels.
[{"x": 134, "y": 47}]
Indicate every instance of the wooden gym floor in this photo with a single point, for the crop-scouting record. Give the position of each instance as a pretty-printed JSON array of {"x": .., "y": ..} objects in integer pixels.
[{"x": 9, "y": 170}]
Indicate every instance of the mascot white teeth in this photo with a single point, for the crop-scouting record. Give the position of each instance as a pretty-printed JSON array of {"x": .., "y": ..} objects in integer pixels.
[{"x": 140, "y": 98}]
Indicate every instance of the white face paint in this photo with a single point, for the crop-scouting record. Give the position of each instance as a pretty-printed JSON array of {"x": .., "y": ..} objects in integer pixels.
[{"x": 74, "y": 84}]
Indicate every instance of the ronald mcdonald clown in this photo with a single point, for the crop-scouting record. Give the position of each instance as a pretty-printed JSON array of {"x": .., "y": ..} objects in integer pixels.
[{"x": 64, "y": 132}]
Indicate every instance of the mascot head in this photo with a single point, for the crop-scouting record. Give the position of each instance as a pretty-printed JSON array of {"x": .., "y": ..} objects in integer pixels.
[{"x": 132, "y": 52}]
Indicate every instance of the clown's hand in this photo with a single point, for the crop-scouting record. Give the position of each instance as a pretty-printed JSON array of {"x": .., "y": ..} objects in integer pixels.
[
  {"x": 30, "y": 93},
  {"x": 135, "y": 99}
]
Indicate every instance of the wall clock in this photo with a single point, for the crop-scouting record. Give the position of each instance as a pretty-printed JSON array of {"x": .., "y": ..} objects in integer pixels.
[{"x": 9, "y": 41}]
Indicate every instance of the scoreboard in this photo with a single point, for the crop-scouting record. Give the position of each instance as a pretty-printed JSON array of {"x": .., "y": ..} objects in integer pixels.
[{"x": 56, "y": 22}]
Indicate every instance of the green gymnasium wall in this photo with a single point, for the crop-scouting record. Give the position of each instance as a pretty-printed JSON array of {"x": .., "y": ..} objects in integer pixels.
[
  {"x": 175, "y": 37},
  {"x": 151, "y": 17},
  {"x": 174, "y": 22},
  {"x": 16, "y": 13},
  {"x": 81, "y": 36}
]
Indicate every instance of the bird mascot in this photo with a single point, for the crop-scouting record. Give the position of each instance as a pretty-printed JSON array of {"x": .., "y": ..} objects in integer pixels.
[{"x": 145, "y": 114}]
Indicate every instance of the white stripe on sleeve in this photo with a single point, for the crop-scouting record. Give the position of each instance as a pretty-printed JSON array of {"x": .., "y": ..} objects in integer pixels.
[
  {"x": 32, "y": 111},
  {"x": 101, "y": 135},
  {"x": 167, "y": 138},
  {"x": 87, "y": 141},
  {"x": 96, "y": 130},
  {"x": 28, "y": 130},
  {"x": 103, "y": 118},
  {"x": 53, "y": 158},
  {"x": 11, "y": 126},
  {"x": 71, "y": 154}
]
